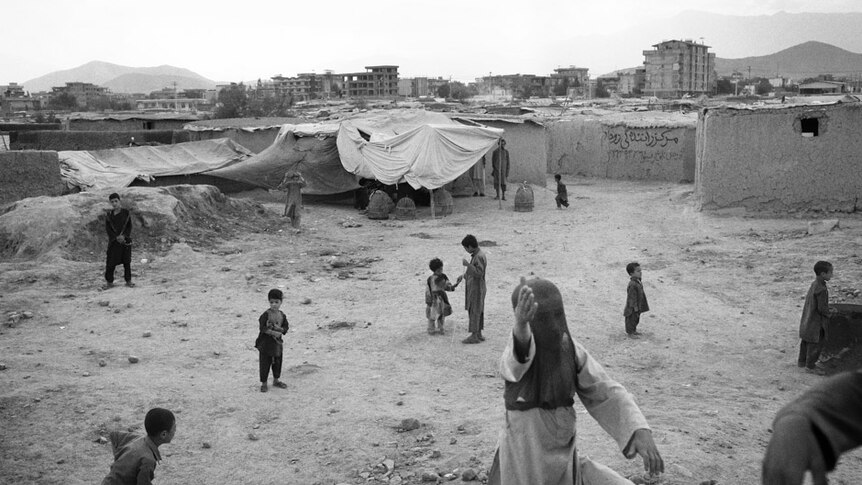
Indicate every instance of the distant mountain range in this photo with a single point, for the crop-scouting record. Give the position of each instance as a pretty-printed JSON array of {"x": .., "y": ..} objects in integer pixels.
[
  {"x": 798, "y": 62},
  {"x": 122, "y": 79}
]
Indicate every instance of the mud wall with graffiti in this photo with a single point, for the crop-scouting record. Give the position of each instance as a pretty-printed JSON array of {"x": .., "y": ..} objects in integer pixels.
[
  {"x": 622, "y": 148},
  {"x": 780, "y": 158}
]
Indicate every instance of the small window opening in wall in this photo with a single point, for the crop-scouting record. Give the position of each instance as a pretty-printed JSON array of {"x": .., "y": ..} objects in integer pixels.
[{"x": 810, "y": 127}]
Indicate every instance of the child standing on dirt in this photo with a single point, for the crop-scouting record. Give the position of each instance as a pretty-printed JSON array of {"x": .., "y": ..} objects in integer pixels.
[
  {"x": 437, "y": 303},
  {"x": 135, "y": 456},
  {"x": 562, "y": 197},
  {"x": 273, "y": 324},
  {"x": 636, "y": 302},
  {"x": 815, "y": 315}
]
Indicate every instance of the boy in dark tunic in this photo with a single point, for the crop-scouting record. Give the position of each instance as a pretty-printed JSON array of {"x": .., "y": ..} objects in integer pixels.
[
  {"x": 815, "y": 315},
  {"x": 273, "y": 324},
  {"x": 118, "y": 225},
  {"x": 636, "y": 302},
  {"x": 135, "y": 456},
  {"x": 562, "y": 197}
]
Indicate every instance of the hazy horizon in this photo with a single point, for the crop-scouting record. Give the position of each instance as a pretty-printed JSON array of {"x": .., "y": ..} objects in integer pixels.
[{"x": 458, "y": 40}]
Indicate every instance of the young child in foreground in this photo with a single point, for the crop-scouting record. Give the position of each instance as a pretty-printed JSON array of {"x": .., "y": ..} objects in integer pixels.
[
  {"x": 273, "y": 324},
  {"x": 544, "y": 369},
  {"x": 436, "y": 301},
  {"x": 636, "y": 302},
  {"x": 135, "y": 456}
]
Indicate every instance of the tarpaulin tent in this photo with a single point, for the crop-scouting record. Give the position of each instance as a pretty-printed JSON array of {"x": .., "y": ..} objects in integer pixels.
[
  {"x": 421, "y": 148},
  {"x": 309, "y": 149},
  {"x": 119, "y": 167}
]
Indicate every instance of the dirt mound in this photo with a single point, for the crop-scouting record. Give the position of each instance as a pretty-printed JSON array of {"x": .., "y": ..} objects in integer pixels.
[{"x": 73, "y": 226}]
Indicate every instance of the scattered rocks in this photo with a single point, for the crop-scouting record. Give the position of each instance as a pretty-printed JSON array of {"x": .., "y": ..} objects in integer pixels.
[
  {"x": 206, "y": 445},
  {"x": 252, "y": 437},
  {"x": 338, "y": 262},
  {"x": 429, "y": 476},
  {"x": 306, "y": 301},
  {"x": 389, "y": 464},
  {"x": 134, "y": 359},
  {"x": 102, "y": 363},
  {"x": 101, "y": 440},
  {"x": 268, "y": 264},
  {"x": 104, "y": 303},
  {"x": 468, "y": 475},
  {"x": 147, "y": 334},
  {"x": 85, "y": 374},
  {"x": 409, "y": 424},
  {"x": 350, "y": 223}
]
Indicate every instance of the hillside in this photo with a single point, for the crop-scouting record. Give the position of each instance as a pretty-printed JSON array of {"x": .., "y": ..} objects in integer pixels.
[
  {"x": 798, "y": 62},
  {"x": 121, "y": 79}
]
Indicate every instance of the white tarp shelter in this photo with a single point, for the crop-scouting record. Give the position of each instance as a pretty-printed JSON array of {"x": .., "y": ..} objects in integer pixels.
[{"x": 421, "y": 148}]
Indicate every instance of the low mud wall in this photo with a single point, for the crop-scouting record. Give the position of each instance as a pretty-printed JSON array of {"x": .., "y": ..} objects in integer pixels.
[
  {"x": 617, "y": 148},
  {"x": 29, "y": 174},
  {"x": 91, "y": 140},
  {"x": 780, "y": 158}
]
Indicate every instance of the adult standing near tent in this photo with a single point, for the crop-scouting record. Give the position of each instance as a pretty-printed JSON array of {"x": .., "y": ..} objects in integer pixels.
[
  {"x": 500, "y": 168},
  {"x": 474, "y": 289},
  {"x": 293, "y": 184},
  {"x": 118, "y": 225},
  {"x": 477, "y": 173}
]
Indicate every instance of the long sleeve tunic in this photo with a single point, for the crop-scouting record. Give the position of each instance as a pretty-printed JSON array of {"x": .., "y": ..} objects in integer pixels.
[
  {"x": 474, "y": 283},
  {"x": 815, "y": 313},
  {"x": 538, "y": 445}
]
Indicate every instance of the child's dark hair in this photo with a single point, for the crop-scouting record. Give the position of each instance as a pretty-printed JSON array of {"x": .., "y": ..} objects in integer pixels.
[
  {"x": 470, "y": 241},
  {"x": 821, "y": 267},
  {"x": 275, "y": 294},
  {"x": 557, "y": 177},
  {"x": 435, "y": 264},
  {"x": 114, "y": 196},
  {"x": 631, "y": 267},
  {"x": 158, "y": 420}
]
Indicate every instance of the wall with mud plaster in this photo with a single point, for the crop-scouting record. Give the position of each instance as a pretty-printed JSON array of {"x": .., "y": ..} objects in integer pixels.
[
  {"x": 29, "y": 174},
  {"x": 638, "y": 150},
  {"x": 528, "y": 152},
  {"x": 799, "y": 157}
]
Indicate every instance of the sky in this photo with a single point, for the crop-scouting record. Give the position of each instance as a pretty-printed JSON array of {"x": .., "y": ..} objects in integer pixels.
[{"x": 243, "y": 41}]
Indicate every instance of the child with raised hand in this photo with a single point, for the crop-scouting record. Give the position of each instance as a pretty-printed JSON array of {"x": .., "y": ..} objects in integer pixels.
[{"x": 273, "y": 324}]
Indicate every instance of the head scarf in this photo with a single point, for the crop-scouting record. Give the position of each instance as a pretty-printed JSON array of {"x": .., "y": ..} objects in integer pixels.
[{"x": 551, "y": 380}]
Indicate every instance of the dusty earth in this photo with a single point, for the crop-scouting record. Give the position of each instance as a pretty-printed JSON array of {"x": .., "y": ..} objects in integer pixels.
[{"x": 716, "y": 362}]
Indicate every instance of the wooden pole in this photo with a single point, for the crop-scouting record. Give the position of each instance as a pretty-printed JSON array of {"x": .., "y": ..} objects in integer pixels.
[
  {"x": 499, "y": 171},
  {"x": 432, "y": 204}
]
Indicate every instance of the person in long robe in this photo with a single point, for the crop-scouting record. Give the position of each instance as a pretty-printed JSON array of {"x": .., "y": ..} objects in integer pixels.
[
  {"x": 118, "y": 226},
  {"x": 474, "y": 288},
  {"x": 293, "y": 184},
  {"x": 815, "y": 318},
  {"x": 812, "y": 431},
  {"x": 500, "y": 168},
  {"x": 477, "y": 175},
  {"x": 544, "y": 369}
]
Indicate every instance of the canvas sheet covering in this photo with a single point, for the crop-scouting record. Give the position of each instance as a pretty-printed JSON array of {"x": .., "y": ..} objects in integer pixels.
[
  {"x": 309, "y": 149},
  {"x": 421, "y": 148},
  {"x": 117, "y": 168}
]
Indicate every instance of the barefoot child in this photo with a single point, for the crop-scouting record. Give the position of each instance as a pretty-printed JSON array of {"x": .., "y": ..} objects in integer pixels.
[
  {"x": 815, "y": 317},
  {"x": 135, "y": 456},
  {"x": 562, "y": 197},
  {"x": 636, "y": 302},
  {"x": 269, "y": 343},
  {"x": 438, "y": 307}
]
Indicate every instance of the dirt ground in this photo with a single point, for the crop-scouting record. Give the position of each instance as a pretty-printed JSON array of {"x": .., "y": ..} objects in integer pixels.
[{"x": 716, "y": 362}]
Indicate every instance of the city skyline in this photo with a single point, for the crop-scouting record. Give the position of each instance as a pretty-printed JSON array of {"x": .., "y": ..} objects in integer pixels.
[{"x": 459, "y": 40}]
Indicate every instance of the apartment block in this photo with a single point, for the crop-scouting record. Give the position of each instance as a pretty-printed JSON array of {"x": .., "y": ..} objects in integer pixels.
[{"x": 677, "y": 67}]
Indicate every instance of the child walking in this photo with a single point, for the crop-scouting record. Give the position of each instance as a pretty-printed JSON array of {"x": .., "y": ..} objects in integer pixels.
[
  {"x": 815, "y": 315},
  {"x": 269, "y": 343},
  {"x": 636, "y": 302},
  {"x": 436, "y": 301},
  {"x": 135, "y": 456},
  {"x": 562, "y": 197}
]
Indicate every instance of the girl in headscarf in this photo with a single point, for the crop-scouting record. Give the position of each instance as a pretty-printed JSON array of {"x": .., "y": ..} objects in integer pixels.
[{"x": 544, "y": 370}]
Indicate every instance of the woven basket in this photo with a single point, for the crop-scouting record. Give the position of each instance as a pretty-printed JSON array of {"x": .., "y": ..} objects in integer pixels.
[
  {"x": 379, "y": 205},
  {"x": 524, "y": 198},
  {"x": 442, "y": 202},
  {"x": 405, "y": 209}
]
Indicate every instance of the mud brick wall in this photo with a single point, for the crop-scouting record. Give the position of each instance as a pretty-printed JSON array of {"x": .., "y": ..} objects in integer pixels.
[
  {"x": 91, "y": 140},
  {"x": 29, "y": 174},
  {"x": 782, "y": 158},
  {"x": 637, "y": 150}
]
